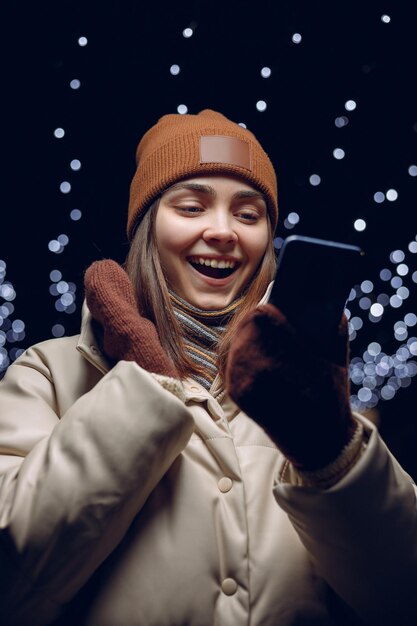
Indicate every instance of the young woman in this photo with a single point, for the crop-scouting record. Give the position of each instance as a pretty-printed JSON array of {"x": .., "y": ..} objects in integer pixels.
[{"x": 186, "y": 460}]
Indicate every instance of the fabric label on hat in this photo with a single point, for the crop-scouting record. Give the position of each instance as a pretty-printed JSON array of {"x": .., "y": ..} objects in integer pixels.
[{"x": 223, "y": 149}]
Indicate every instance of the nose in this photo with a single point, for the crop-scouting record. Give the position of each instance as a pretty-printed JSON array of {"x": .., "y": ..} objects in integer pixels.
[{"x": 220, "y": 229}]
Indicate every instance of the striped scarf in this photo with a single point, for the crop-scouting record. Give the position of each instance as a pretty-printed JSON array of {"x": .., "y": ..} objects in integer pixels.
[{"x": 202, "y": 331}]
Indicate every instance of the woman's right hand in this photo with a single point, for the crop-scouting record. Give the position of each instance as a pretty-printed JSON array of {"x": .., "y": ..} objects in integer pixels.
[{"x": 127, "y": 335}]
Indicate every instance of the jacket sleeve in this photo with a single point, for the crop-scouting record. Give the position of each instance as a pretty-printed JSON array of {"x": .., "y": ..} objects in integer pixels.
[
  {"x": 70, "y": 487},
  {"x": 362, "y": 534}
]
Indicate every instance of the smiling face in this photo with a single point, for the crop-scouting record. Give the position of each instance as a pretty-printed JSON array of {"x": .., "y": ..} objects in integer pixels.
[{"x": 211, "y": 234}]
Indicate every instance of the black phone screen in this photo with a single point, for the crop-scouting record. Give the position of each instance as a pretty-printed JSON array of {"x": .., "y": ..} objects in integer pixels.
[{"x": 313, "y": 282}]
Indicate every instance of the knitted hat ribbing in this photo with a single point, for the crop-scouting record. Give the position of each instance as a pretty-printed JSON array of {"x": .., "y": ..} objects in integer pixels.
[{"x": 181, "y": 146}]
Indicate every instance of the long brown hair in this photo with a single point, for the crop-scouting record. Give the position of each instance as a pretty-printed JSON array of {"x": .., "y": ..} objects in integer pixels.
[{"x": 145, "y": 271}]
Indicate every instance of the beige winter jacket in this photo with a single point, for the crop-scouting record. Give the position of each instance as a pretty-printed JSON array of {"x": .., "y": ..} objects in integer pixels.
[{"x": 171, "y": 512}]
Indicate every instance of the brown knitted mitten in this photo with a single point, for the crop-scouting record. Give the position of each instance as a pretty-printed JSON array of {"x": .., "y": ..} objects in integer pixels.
[
  {"x": 299, "y": 396},
  {"x": 126, "y": 334}
]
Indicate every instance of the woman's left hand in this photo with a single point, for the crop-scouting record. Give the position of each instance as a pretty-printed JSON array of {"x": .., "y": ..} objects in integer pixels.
[{"x": 298, "y": 393}]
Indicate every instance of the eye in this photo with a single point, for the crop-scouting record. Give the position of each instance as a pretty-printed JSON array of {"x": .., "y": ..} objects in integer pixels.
[
  {"x": 248, "y": 216},
  {"x": 190, "y": 210}
]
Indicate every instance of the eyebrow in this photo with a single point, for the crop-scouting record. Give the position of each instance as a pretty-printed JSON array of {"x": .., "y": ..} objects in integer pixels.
[{"x": 208, "y": 190}]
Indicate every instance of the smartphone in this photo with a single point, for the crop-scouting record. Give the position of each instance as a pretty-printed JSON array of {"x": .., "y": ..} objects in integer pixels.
[{"x": 313, "y": 281}]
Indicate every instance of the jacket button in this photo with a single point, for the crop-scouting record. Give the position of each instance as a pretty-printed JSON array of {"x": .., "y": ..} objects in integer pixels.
[
  {"x": 225, "y": 484},
  {"x": 229, "y": 586},
  {"x": 94, "y": 350}
]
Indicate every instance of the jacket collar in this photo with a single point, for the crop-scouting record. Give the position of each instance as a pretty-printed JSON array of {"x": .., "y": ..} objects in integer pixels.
[{"x": 87, "y": 343}]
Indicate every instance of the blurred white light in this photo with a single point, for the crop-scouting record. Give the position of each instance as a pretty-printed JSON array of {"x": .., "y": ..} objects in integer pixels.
[
  {"x": 395, "y": 301},
  {"x": 266, "y": 72},
  {"x": 296, "y": 38},
  {"x": 67, "y": 299},
  {"x": 412, "y": 246},
  {"x": 385, "y": 274},
  {"x": 397, "y": 256},
  {"x": 338, "y": 153},
  {"x": 377, "y": 309},
  {"x": 7, "y": 292},
  {"x": 402, "y": 269},
  {"x": 400, "y": 334},
  {"x": 65, "y": 187},
  {"x": 396, "y": 282},
  {"x": 387, "y": 392},
  {"x": 242, "y": 125},
  {"x": 412, "y": 170},
  {"x": 403, "y": 293},
  {"x": 364, "y": 394},
  {"x": 379, "y": 197},
  {"x": 187, "y": 33},
  {"x": 293, "y": 218},
  {"x": 365, "y": 303},
  {"x": 359, "y": 225},
  {"x": 315, "y": 180},
  {"x": 261, "y": 105},
  {"x": 55, "y": 276},
  {"x": 357, "y": 376},
  {"x": 75, "y": 83},
  {"x": 75, "y": 165},
  {"x": 75, "y": 215},
  {"x": 402, "y": 354},
  {"x": 369, "y": 382},
  {"x": 414, "y": 277},
  {"x": 350, "y": 105},
  {"x": 374, "y": 348},
  {"x": 59, "y": 133},
  {"x": 82, "y": 41},
  {"x": 63, "y": 239},
  {"x": 175, "y": 69},
  {"x": 352, "y": 295},
  {"x": 58, "y": 330},
  {"x": 341, "y": 121},
  {"x": 385, "y": 18},
  {"x": 410, "y": 369},
  {"x": 54, "y": 246},
  {"x": 410, "y": 319},
  {"x": 367, "y": 286},
  {"x": 392, "y": 195},
  {"x": 383, "y": 299},
  {"x": 356, "y": 323},
  {"x": 182, "y": 109},
  {"x": 278, "y": 241},
  {"x": 62, "y": 287},
  {"x": 18, "y": 326}
]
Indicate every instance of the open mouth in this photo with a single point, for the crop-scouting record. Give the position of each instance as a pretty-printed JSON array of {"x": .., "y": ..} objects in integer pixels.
[{"x": 213, "y": 268}]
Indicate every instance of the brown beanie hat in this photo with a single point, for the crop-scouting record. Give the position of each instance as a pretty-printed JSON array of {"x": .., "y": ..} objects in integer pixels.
[{"x": 181, "y": 146}]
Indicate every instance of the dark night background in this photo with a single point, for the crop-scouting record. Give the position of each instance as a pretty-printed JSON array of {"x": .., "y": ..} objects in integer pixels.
[{"x": 347, "y": 52}]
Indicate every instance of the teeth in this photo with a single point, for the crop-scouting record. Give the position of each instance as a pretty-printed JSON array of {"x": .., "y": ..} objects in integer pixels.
[{"x": 214, "y": 263}]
